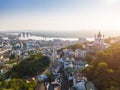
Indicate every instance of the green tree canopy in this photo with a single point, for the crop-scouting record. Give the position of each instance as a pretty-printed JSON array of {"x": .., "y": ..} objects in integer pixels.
[
  {"x": 104, "y": 69},
  {"x": 18, "y": 84},
  {"x": 31, "y": 66},
  {"x": 76, "y": 46}
]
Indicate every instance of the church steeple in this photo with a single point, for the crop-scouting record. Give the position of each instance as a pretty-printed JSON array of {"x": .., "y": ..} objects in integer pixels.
[
  {"x": 99, "y": 39},
  {"x": 99, "y": 35}
]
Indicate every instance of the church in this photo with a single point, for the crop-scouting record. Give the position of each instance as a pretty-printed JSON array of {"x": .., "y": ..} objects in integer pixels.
[{"x": 97, "y": 45}]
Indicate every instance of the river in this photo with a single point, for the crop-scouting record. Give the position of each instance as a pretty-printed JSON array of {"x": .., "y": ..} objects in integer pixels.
[{"x": 48, "y": 38}]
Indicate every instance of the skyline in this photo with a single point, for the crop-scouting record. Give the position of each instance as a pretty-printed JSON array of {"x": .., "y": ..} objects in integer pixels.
[{"x": 62, "y": 15}]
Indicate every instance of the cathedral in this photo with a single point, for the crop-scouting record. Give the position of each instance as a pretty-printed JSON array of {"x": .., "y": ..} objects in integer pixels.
[{"x": 97, "y": 45}]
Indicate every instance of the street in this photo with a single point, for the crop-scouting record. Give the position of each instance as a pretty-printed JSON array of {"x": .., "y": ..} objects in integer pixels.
[{"x": 63, "y": 72}]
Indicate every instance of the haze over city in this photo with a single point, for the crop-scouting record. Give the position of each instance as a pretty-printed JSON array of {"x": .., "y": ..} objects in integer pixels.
[
  {"x": 59, "y": 45},
  {"x": 74, "y": 16}
]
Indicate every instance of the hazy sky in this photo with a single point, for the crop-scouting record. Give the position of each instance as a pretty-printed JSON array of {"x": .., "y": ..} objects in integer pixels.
[{"x": 63, "y": 15}]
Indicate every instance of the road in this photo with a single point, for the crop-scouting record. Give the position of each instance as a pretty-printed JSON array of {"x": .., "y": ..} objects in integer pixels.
[
  {"x": 55, "y": 68},
  {"x": 64, "y": 82},
  {"x": 40, "y": 86}
]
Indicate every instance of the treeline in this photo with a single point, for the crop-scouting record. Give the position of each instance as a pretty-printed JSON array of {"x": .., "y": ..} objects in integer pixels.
[
  {"x": 76, "y": 46},
  {"x": 104, "y": 69},
  {"x": 73, "y": 47}
]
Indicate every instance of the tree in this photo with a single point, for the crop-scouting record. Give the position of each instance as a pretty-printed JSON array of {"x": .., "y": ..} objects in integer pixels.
[
  {"x": 88, "y": 58},
  {"x": 4, "y": 84},
  {"x": 76, "y": 46},
  {"x": 12, "y": 56},
  {"x": 108, "y": 40},
  {"x": 31, "y": 66},
  {"x": 104, "y": 69},
  {"x": 18, "y": 84}
]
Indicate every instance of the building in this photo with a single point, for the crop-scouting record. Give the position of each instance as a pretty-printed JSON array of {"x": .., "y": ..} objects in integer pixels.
[
  {"x": 68, "y": 63},
  {"x": 97, "y": 45}
]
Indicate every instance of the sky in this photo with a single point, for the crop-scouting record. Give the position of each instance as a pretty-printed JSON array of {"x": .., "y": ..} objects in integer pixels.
[{"x": 60, "y": 15}]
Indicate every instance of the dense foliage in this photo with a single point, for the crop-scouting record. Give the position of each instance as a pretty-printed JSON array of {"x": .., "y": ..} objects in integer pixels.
[
  {"x": 76, "y": 46},
  {"x": 17, "y": 84},
  {"x": 104, "y": 69},
  {"x": 73, "y": 47},
  {"x": 31, "y": 66},
  {"x": 12, "y": 56},
  {"x": 25, "y": 70}
]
